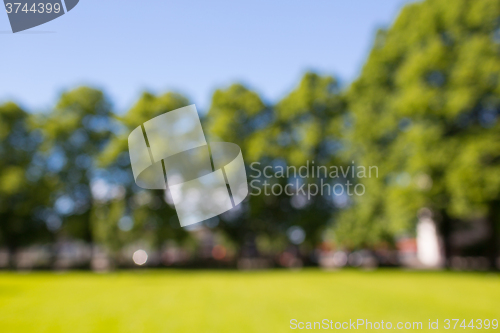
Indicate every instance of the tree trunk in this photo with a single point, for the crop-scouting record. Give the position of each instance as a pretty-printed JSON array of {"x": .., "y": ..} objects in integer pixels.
[
  {"x": 493, "y": 242},
  {"x": 12, "y": 252},
  {"x": 445, "y": 228}
]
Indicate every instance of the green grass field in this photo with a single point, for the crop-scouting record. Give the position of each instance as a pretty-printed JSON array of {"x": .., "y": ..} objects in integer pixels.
[{"x": 232, "y": 301}]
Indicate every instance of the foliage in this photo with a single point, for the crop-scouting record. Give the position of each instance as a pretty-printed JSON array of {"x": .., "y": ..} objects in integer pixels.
[
  {"x": 424, "y": 110},
  {"x": 298, "y": 130},
  {"x": 24, "y": 187},
  {"x": 135, "y": 214}
]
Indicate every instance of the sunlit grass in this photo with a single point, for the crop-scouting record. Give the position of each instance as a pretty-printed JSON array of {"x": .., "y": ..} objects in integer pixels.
[{"x": 231, "y": 301}]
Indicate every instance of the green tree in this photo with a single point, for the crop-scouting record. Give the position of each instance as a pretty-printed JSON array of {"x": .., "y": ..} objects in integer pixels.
[
  {"x": 74, "y": 133},
  {"x": 303, "y": 127},
  {"x": 424, "y": 110},
  {"x": 137, "y": 214},
  {"x": 23, "y": 186}
]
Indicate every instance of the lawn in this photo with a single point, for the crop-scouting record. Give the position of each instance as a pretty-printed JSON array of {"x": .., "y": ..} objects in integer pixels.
[{"x": 232, "y": 301}]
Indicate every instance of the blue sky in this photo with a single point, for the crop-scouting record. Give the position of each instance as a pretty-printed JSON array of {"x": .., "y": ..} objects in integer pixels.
[{"x": 194, "y": 47}]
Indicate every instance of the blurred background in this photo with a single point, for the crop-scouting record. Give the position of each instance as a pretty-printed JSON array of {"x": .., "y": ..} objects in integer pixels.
[{"x": 412, "y": 88}]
